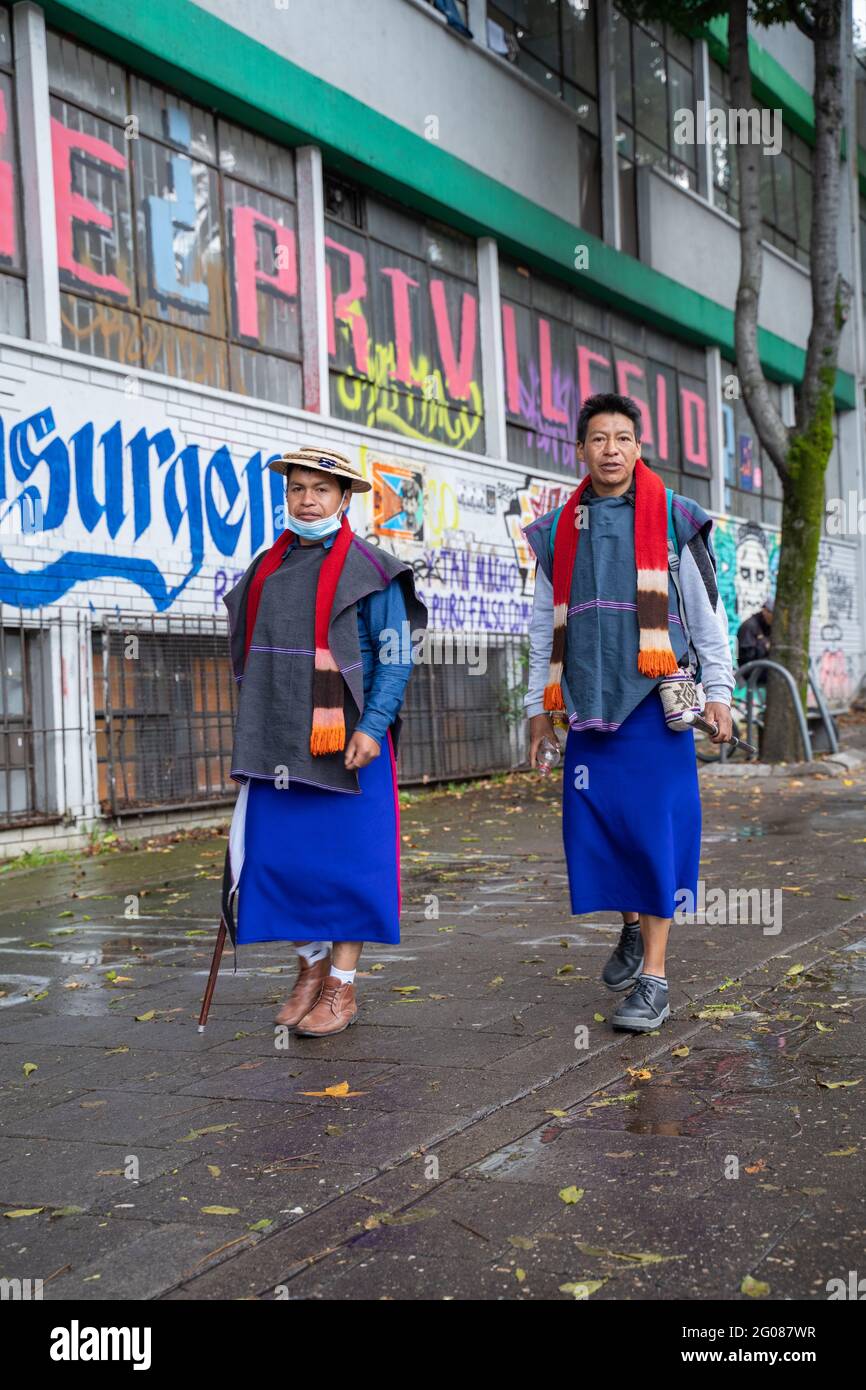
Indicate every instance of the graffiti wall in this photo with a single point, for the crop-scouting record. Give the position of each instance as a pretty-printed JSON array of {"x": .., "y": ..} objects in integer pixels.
[
  {"x": 748, "y": 563},
  {"x": 461, "y": 532}
]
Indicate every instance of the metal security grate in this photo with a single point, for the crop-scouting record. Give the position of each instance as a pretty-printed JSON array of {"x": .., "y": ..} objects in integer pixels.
[
  {"x": 165, "y": 709},
  {"x": 44, "y": 747},
  {"x": 457, "y": 723}
]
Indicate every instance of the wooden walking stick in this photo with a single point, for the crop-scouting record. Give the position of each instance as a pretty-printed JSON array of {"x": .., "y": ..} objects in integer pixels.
[
  {"x": 212, "y": 977},
  {"x": 225, "y": 914}
]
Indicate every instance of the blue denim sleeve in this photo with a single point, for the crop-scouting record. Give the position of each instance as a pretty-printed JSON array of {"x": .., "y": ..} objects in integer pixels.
[{"x": 384, "y": 683}]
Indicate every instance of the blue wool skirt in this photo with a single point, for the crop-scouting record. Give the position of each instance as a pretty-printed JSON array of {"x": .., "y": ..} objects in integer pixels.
[
  {"x": 321, "y": 865},
  {"x": 631, "y": 815}
]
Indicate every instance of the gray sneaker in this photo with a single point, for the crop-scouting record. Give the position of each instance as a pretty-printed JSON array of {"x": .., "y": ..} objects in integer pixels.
[
  {"x": 645, "y": 1008},
  {"x": 626, "y": 963}
]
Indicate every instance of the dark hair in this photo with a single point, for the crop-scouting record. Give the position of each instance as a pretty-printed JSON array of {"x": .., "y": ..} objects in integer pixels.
[
  {"x": 607, "y": 403},
  {"x": 345, "y": 483}
]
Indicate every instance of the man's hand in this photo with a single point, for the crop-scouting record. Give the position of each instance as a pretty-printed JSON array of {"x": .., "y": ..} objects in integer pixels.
[
  {"x": 540, "y": 726},
  {"x": 360, "y": 751},
  {"x": 720, "y": 715}
]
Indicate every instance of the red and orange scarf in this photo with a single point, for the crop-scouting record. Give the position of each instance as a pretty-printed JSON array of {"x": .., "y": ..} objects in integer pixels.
[
  {"x": 655, "y": 654},
  {"x": 328, "y": 732}
]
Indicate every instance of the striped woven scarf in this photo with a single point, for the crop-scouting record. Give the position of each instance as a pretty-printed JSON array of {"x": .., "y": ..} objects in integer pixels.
[
  {"x": 328, "y": 732},
  {"x": 655, "y": 654}
]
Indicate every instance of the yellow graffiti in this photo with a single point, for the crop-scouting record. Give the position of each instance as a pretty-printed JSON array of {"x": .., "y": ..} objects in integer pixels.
[
  {"x": 441, "y": 510},
  {"x": 377, "y": 397}
]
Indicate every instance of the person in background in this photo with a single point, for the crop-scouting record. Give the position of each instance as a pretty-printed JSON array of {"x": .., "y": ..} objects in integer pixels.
[{"x": 753, "y": 638}]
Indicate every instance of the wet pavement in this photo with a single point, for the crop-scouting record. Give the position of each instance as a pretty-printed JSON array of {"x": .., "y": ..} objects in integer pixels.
[{"x": 498, "y": 1140}]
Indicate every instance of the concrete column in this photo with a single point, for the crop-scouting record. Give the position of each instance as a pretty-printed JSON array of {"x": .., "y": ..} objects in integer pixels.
[
  {"x": 492, "y": 367},
  {"x": 311, "y": 264},
  {"x": 610, "y": 216},
  {"x": 701, "y": 75},
  {"x": 716, "y": 429},
  {"x": 37, "y": 177}
]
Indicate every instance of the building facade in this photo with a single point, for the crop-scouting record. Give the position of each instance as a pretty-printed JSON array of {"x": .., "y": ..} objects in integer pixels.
[{"x": 421, "y": 233}]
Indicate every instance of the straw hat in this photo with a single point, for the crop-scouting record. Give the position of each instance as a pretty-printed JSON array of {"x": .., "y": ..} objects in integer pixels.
[{"x": 325, "y": 460}]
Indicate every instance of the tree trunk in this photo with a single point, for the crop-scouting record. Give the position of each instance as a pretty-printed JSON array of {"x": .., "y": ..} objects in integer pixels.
[{"x": 802, "y": 515}]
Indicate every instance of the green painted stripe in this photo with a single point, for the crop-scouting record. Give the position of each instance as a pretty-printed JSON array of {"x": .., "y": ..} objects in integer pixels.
[{"x": 247, "y": 82}]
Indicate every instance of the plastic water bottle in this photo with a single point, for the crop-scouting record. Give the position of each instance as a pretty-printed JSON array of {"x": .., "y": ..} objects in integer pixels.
[{"x": 548, "y": 756}]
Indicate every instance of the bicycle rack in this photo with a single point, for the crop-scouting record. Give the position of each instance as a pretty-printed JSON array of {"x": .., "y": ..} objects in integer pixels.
[{"x": 752, "y": 669}]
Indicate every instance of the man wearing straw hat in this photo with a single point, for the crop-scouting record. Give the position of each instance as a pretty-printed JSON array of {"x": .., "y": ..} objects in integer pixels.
[
  {"x": 314, "y": 846},
  {"x": 626, "y": 601}
]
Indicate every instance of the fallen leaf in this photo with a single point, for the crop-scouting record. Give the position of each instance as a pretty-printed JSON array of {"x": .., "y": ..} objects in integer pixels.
[
  {"x": 404, "y": 989},
  {"x": 520, "y": 1275},
  {"x": 220, "y": 1211},
  {"x": 583, "y": 1290},
  {"x": 23, "y": 1211},
  {"x": 145, "y": 1018},
  {"x": 755, "y": 1288},
  {"x": 630, "y": 1256},
  {"x": 558, "y": 1113},
  {"x": 680, "y": 1052},
  {"x": 838, "y": 1085},
  {"x": 571, "y": 1195},
  {"x": 340, "y": 1089},
  {"x": 29, "y": 1067}
]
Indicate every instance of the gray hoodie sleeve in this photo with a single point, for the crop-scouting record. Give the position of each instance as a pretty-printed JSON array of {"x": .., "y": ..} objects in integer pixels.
[
  {"x": 706, "y": 621},
  {"x": 540, "y": 642}
]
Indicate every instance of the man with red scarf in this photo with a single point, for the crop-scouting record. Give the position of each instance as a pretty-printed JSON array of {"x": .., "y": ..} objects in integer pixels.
[{"x": 626, "y": 595}]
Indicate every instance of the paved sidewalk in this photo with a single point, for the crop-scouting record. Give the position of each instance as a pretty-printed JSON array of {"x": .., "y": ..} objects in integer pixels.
[{"x": 158, "y": 1162}]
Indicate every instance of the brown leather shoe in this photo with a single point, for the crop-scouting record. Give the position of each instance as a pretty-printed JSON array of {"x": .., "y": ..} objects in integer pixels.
[
  {"x": 308, "y": 987},
  {"x": 334, "y": 1010}
]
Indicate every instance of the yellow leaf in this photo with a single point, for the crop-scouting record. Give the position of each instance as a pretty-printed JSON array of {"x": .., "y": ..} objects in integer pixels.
[
  {"x": 585, "y": 1289},
  {"x": 755, "y": 1288},
  {"x": 795, "y": 970},
  {"x": 114, "y": 1050},
  {"x": 145, "y": 1018},
  {"x": 565, "y": 970},
  {"x": 570, "y": 1195},
  {"x": 640, "y": 1073},
  {"x": 837, "y": 1085},
  {"x": 680, "y": 1052},
  {"x": 598, "y": 1018},
  {"x": 404, "y": 989},
  {"x": 23, "y": 1211},
  {"x": 558, "y": 1113},
  {"x": 822, "y": 1027},
  {"x": 520, "y": 1275},
  {"x": 496, "y": 981},
  {"x": 214, "y": 1170},
  {"x": 340, "y": 1089},
  {"x": 220, "y": 1211},
  {"x": 376, "y": 967},
  {"x": 521, "y": 1242},
  {"x": 843, "y": 1153},
  {"x": 29, "y": 1068}
]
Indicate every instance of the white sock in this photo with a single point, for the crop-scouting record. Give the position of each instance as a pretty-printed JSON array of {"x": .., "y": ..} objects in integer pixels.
[
  {"x": 347, "y": 977},
  {"x": 659, "y": 979},
  {"x": 311, "y": 951}
]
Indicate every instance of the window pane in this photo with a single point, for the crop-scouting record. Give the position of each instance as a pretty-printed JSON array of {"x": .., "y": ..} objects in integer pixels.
[
  {"x": 262, "y": 235},
  {"x": 85, "y": 77},
  {"x": 622, "y": 31},
  {"x": 538, "y": 31},
  {"x": 786, "y": 217},
  {"x": 11, "y": 231},
  {"x": 578, "y": 45},
  {"x": 179, "y": 243},
  {"x": 5, "y": 40},
  {"x": 682, "y": 98},
  {"x": 651, "y": 107},
  {"x": 167, "y": 117},
  {"x": 91, "y": 162},
  {"x": 249, "y": 156}
]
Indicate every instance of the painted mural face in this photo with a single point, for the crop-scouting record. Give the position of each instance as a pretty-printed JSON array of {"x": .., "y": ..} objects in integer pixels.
[
  {"x": 752, "y": 576},
  {"x": 609, "y": 452}
]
